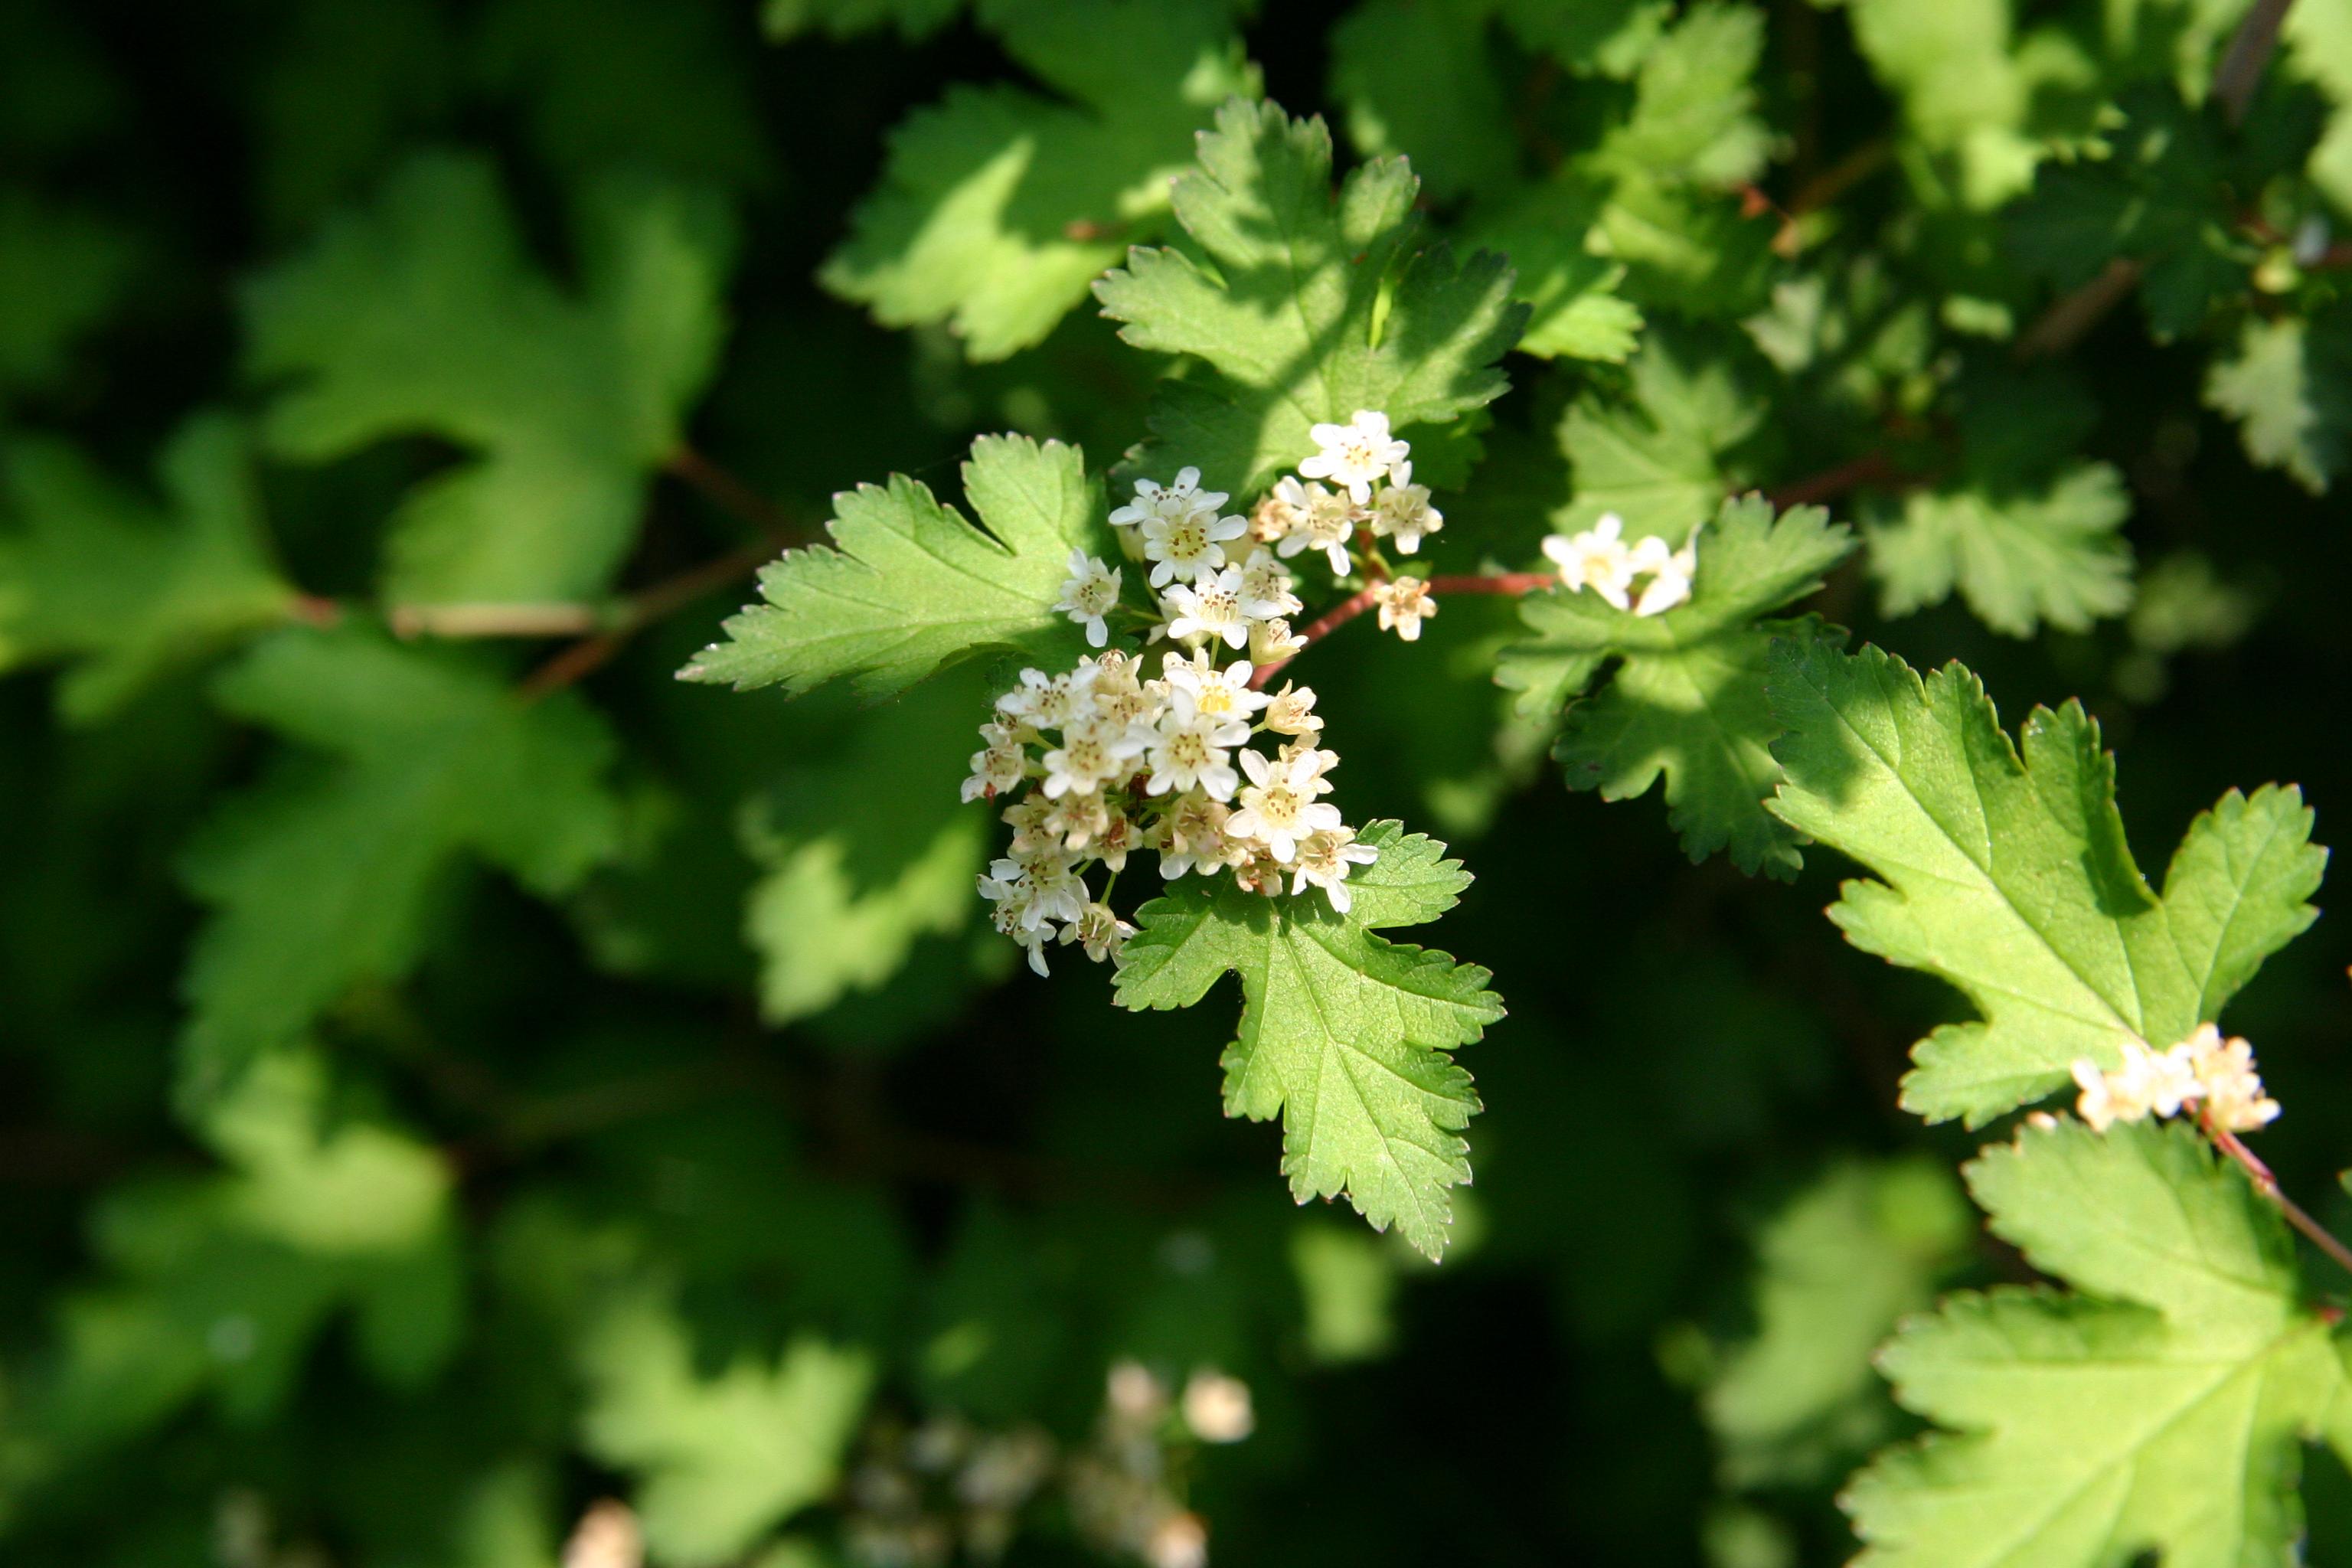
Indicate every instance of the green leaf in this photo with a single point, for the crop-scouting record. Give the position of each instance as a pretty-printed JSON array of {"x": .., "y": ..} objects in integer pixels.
[
  {"x": 423, "y": 315},
  {"x": 2156, "y": 1412},
  {"x": 1694, "y": 102},
  {"x": 1573, "y": 309},
  {"x": 1661, "y": 459},
  {"x": 913, "y": 587},
  {"x": 1342, "y": 1033},
  {"x": 1307, "y": 308},
  {"x": 2007, "y": 874},
  {"x": 125, "y": 590},
  {"x": 1860, "y": 1248},
  {"x": 999, "y": 205},
  {"x": 720, "y": 1458},
  {"x": 867, "y": 852},
  {"x": 1420, "y": 77},
  {"x": 62, "y": 271},
  {"x": 2289, "y": 386},
  {"x": 1608, "y": 37},
  {"x": 324, "y": 875},
  {"x": 225, "y": 1281},
  {"x": 2020, "y": 558},
  {"x": 1688, "y": 698}
]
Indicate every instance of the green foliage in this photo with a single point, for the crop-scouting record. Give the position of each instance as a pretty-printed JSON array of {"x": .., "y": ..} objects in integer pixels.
[
  {"x": 1659, "y": 456},
  {"x": 1685, "y": 700},
  {"x": 222, "y": 1283},
  {"x": 1316, "y": 306},
  {"x": 2289, "y": 385},
  {"x": 2019, "y": 559},
  {"x": 1343, "y": 1034},
  {"x": 101, "y": 578},
  {"x": 722, "y": 1458},
  {"x": 325, "y": 874},
  {"x": 999, "y": 206},
  {"x": 423, "y": 315},
  {"x": 913, "y": 586},
  {"x": 61, "y": 273},
  {"x": 2157, "y": 1410},
  {"x": 2007, "y": 874}
]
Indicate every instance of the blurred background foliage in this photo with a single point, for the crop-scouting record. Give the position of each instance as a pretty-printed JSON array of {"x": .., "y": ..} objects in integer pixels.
[{"x": 466, "y": 1093}]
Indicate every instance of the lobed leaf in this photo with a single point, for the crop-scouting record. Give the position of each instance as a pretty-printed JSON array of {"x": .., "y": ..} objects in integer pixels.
[
  {"x": 2006, "y": 873},
  {"x": 1342, "y": 1033},
  {"x": 913, "y": 587}
]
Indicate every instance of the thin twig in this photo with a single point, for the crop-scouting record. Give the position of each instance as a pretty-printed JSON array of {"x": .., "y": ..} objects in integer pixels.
[
  {"x": 494, "y": 620},
  {"x": 1322, "y": 626},
  {"x": 1514, "y": 582},
  {"x": 1871, "y": 469},
  {"x": 672, "y": 594},
  {"x": 2073, "y": 314},
  {"x": 2250, "y": 50},
  {"x": 728, "y": 493},
  {"x": 2267, "y": 1184}
]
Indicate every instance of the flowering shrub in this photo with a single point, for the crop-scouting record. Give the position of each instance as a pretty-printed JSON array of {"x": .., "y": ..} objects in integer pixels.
[{"x": 476, "y": 1101}]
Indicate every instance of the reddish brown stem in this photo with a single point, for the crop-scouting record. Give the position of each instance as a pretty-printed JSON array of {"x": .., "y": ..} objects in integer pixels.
[
  {"x": 728, "y": 493},
  {"x": 1322, "y": 626},
  {"x": 665, "y": 597},
  {"x": 2250, "y": 50},
  {"x": 2267, "y": 1184},
  {"x": 1514, "y": 582},
  {"x": 1870, "y": 468}
]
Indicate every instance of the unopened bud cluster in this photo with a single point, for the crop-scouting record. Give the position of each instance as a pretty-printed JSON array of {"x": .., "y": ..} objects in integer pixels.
[
  {"x": 2213, "y": 1075},
  {"x": 1648, "y": 578}
]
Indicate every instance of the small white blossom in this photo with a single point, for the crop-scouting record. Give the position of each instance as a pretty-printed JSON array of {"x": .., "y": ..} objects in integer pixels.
[
  {"x": 1292, "y": 711},
  {"x": 1102, "y": 933},
  {"x": 1214, "y": 690},
  {"x": 1152, "y": 500},
  {"x": 2228, "y": 1085},
  {"x": 1403, "y": 511},
  {"x": 1192, "y": 750},
  {"x": 1089, "y": 594},
  {"x": 1187, "y": 544},
  {"x": 1076, "y": 820},
  {"x": 1271, "y": 642},
  {"x": 1194, "y": 835},
  {"x": 1405, "y": 604},
  {"x": 1217, "y": 1407},
  {"x": 1265, "y": 587},
  {"x": 1597, "y": 559},
  {"x": 1180, "y": 1540},
  {"x": 1325, "y": 858},
  {"x": 1670, "y": 573},
  {"x": 1354, "y": 455},
  {"x": 1031, "y": 893},
  {"x": 1211, "y": 608},
  {"x": 1278, "y": 806},
  {"x": 1050, "y": 703},
  {"x": 1320, "y": 520},
  {"x": 1094, "y": 752},
  {"x": 998, "y": 766}
]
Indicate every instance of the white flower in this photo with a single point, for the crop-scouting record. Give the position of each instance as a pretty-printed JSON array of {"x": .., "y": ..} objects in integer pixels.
[
  {"x": 1191, "y": 749},
  {"x": 1355, "y": 454},
  {"x": 1403, "y": 511},
  {"x": 1154, "y": 500},
  {"x": 1212, "y": 690},
  {"x": 1217, "y": 1407},
  {"x": 1405, "y": 604},
  {"x": 1265, "y": 587},
  {"x": 1089, "y": 594},
  {"x": 1271, "y": 642},
  {"x": 2148, "y": 1083},
  {"x": 1210, "y": 607},
  {"x": 1320, "y": 520},
  {"x": 2227, "y": 1083},
  {"x": 1094, "y": 752},
  {"x": 1180, "y": 1540},
  {"x": 1102, "y": 933},
  {"x": 997, "y": 768},
  {"x": 1188, "y": 544},
  {"x": 1278, "y": 806},
  {"x": 1029, "y": 893},
  {"x": 1596, "y": 559},
  {"x": 1050, "y": 703},
  {"x": 1292, "y": 711},
  {"x": 1194, "y": 835},
  {"x": 1670, "y": 573},
  {"x": 1325, "y": 858},
  {"x": 1076, "y": 820}
]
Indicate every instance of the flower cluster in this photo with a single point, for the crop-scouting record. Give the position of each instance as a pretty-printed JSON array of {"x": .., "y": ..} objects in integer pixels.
[
  {"x": 2215, "y": 1075},
  {"x": 1106, "y": 763},
  {"x": 1601, "y": 559},
  {"x": 1370, "y": 490}
]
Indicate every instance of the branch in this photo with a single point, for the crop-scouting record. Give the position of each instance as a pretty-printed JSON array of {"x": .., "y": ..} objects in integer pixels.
[
  {"x": 1871, "y": 469},
  {"x": 729, "y": 494},
  {"x": 2072, "y": 315},
  {"x": 2250, "y": 50},
  {"x": 2267, "y": 1184},
  {"x": 1356, "y": 603},
  {"x": 640, "y": 610}
]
